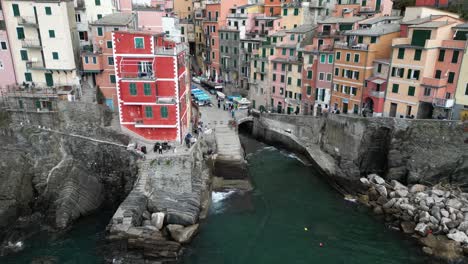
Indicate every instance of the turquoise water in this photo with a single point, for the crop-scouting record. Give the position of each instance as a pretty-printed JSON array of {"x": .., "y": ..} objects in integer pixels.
[
  {"x": 266, "y": 226},
  {"x": 269, "y": 225},
  {"x": 81, "y": 245}
]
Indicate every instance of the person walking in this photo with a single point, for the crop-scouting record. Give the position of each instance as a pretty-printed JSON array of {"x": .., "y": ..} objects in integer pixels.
[
  {"x": 219, "y": 104},
  {"x": 160, "y": 148}
]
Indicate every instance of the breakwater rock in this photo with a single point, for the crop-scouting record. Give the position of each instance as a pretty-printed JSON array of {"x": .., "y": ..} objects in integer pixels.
[{"x": 437, "y": 216}]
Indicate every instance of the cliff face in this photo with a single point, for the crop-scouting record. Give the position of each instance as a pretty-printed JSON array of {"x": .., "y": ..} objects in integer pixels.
[
  {"x": 59, "y": 177},
  {"x": 411, "y": 151}
]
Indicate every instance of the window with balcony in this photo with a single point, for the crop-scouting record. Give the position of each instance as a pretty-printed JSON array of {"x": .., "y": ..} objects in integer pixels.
[
  {"x": 451, "y": 77},
  {"x": 133, "y": 89},
  {"x": 411, "y": 90},
  {"x": 441, "y": 55},
  {"x": 455, "y": 56},
  {"x": 395, "y": 88},
  {"x": 417, "y": 55},
  {"x": 139, "y": 43}
]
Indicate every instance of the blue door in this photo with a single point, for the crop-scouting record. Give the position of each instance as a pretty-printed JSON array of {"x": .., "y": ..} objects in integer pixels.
[{"x": 110, "y": 104}]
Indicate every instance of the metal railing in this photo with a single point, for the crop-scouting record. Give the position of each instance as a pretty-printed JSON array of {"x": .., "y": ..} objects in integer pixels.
[
  {"x": 31, "y": 43},
  {"x": 138, "y": 75},
  {"x": 27, "y": 21}
]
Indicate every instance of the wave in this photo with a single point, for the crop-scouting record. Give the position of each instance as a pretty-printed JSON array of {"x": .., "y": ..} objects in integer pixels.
[{"x": 217, "y": 197}]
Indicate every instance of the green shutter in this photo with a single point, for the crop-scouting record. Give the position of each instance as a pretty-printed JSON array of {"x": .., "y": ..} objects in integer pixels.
[
  {"x": 395, "y": 88},
  {"x": 24, "y": 55},
  {"x": 419, "y": 37},
  {"x": 16, "y": 11},
  {"x": 48, "y": 10},
  {"x": 455, "y": 56},
  {"x": 285, "y": 12},
  {"x": 283, "y": 52},
  {"x": 49, "y": 79},
  {"x": 164, "y": 112},
  {"x": 338, "y": 55},
  {"x": 401, "y": 53},
  {"x": 309, "y": 75},
  {"x": 20, "y": 103},
  {"x": 289, "y": 80},
  {"x": 346, "y": 27},
  {"x": 299, "y": 82},
  {"x": 309, "y": 90},
  {"x": 441, "y": 55},
  {"x": 149, "y": 111},
  {"x": 316, "y": 93},
  {"x": 438, "y": 73},
  {"x": 28, "y": 77},
  {"x": 38, "y": 104},
  {"x": 323, "y": 58},
  {"x": 451, "y": 77},
  {"x": 20, "y": 32},
  {"x": 147, "y": 88},
  {"x": 51, "y": 33},
  {"x": 356, "y": 58},
  {"x": 112, "y": 78},
  {"x": 55, "y": 55},
  {"x": 360, "y": 39},
  {"x": 97, "y": 2},
  {"x": 296, "y": 11},
  {"x": 417, "y": 54},
  {"x": 348, "y": 56},
  {"x": 411, "y": 90},
  {"x": 99, "y": 31},
  {"x": 133, "y": 89},
  {"x": 109, "y": 44},
  {"x": 373, "y": 39},
  {"x": 330, "y": 58}
]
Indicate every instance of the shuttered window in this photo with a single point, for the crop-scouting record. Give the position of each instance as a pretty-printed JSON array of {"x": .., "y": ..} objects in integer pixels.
[
  {"x": 133, "y": 89},
  {"x": 147, "y": 88},
  {"x": 401, "y": 53},
  {"x": 20, "y": 32},
  {"x": 24, "y": 55},
  {"x": 451, "y": 77},
  {"x": 164, "y": 112},
  {"x": 16, "y": 11},
  {"x": 395, "y": 88},
  {"x": 417, "y": 54},
  {"x": 411, "y": 90},
  {"x": 420, "y": 37},
  {"x": 149, "y": 112}
]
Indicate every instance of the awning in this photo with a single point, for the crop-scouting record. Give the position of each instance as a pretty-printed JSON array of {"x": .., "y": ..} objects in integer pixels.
[
  {"x": 221, "y": 95},
  {"x": 379, "y": 81}
]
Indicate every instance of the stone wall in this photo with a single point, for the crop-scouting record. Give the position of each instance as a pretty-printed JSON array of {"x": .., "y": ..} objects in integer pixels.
[{"x": 411, "y": 151}]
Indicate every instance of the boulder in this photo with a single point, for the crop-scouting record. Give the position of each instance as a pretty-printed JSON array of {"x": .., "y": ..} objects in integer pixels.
[
  {"x": 390, "y": 203},
  {"x": 376, "y": 179},
  {"x": 463, "y": 226},
  {"x": 454, "y": 203},
  {"x": 401, "y": 192},
  {"x": 422, "y": 229},
  {"x": 381, "y": 190},
  {"x": 382, "y": 200},
  {"x": 424, "y": 217},
  {"x": 435, "y": 211},
  {"x": 397, "y": 186},
  {"x": 444, "y": 213},
  {"x": 458, "y": 236},
  {"x": 427, "y": 250},
  {"x": 407, "y": 207},
  {"x": 433, "y": 220},
  {"x": 157, "y": 220},
  {"x": 183, "y": 234},
  {"x": 407, "y": 227},
  {"x": 373, "y": 194},
  {"x": 417, "y": 188},
  {"x": 365, "y": 181},
  {"x": 429, "y": 201},
  {"x": 378, "y": 210},
  {"x": 437, "y": 192},
  {"x": 442, "y": 247},
  {"x": 146, "y": 215}
]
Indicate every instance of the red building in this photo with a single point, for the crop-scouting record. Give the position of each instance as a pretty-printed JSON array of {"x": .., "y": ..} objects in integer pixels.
[
  {"x": 152, "y": 87},
  {"x": 432, "y": 3}
]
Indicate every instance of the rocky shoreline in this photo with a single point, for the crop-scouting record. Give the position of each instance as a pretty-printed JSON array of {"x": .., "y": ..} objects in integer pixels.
[{"x": 437, "y": 216}]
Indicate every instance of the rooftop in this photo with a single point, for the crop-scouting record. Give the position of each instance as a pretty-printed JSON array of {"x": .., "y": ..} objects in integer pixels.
[
  {"x": 333, "y": 20},
  {"x": 301, "y": 29},
  {"x": 266, "y": 17},
  {"x": 461, "y": 26},
  {"x": 375, "y": 31},
  {"x": 116, "y": 19},
  {"x": 432, "y": 24},
  {"x": 280, "y": 33},
  {"x": 420, "y": 20},
  {"x": 383, "y": 61},
  {"x": 375, "y": 20}
]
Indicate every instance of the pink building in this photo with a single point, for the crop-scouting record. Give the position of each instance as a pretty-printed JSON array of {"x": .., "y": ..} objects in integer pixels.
[{"x": 7, "y": 72}]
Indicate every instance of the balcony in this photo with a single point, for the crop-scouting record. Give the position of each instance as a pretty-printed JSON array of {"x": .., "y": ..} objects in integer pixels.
[
  {"x": 27, "y": 21},
  {"x": 34, "y": 64},
  {"x": 377, "y": 94},
  {"x": 31, "y": 43},
  {"x": 237, "y": 15},
  {"x": 445, "y": 103},
  {"x": 353, "y": 46},
  {"x": 138, "y": 76},
  {"x": 433, "y": 82},
  {"x": 366, "y": 9}
]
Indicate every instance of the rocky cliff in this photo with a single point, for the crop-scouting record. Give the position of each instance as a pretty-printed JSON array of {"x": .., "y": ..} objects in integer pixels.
[
  {"x": 57, "y": 168},
  {"x": 410, "y": 151}
]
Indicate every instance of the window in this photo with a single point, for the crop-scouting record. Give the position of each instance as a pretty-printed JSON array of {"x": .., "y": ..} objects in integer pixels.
[
  {"x": 330, "y": 58},
  {"x": 353, "y": 90},
  {"x": 401, "y": 53},
  {"x": 16, "y": 11},
  {"x": 3, "y": 45},
  {"x": 55, "y": 55},
  {"x": 455, "y": 56},
  {"x": 20, "y": 32},
  {"x": 356, "y": 75},
  {"x": 296, "y": 11},
  {"x": 309, "y": 75},
  {"x": 411, "y": 90},
  {"x": 139, "y": 43},
  {"x": 348, "y": 56},
  {"x": 329, "y": 77},
  {"x": 356, "y": 58},
  {"x": 28, "y": 76},
  {"x": 291, "y": 37},
  {"x": 78, "y": 18},
  {"x": 283, "y": 67},
  {"x": 147, "y": 88},
  {"x": 323, "y": 58},
  {"x": 283, "y": 52},
  {"x": 281, "y": 91},
  {"x": 309, "y": 90},
  {"x": 373, "y": 40},
  {"x": 97, "y": 2},
  {"x": 110, "y": 60},
  {"x": 338, "y": 55},
  {"x": 285, "y": 12},
  {"x": 441, "y": 55},
  {"x": 438, "y": 73},
  {"x": 282, "y": 79},
  {"x": 299, "y": 68},
  {"x": 360, "y": 39},
  {"x": 417, "y": 54},
  {"x": 24, "y": 55},
  {"x": 109, "y": 44},
  {"x": 48, "y": 10},
  {"x": 275, "y": 65},
  {"x": 321, "y": 76},
  {"x": 273, "y": 89},
  {"x": 83, "y": 35},
  {"x": 395, "y": 88},
  {"x": 427, "y": 91},
  {"x": 337, "y": 71},
  {"x": 222, "y": 48},
  {"x": 112, "y": 78},
  {"x": 289, "y": 67},
  {"x": 149, "y": 111},
  {"x": 289, "y": 80},
  {"x": 466, "y": 89},
  {"x": 164, "y": 112},
  {"x": 451, "y": 77},
  {"x": 291, "y": 52},
  {"x": 51, "y": 33},
  {"x": 94, "y": 60},
  {"x": 299, "y": 82},
  {"x": 379, "y": 68},
  {"x": 133, "y": 89},
  {"x": 86, "y": 60}
]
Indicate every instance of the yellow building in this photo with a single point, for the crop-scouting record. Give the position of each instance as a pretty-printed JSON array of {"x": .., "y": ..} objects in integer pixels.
[{"x": 183, "y": 9}]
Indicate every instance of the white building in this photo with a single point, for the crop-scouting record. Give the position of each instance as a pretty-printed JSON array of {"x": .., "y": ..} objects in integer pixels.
[
  {"x": 45, "y": 41},
  {"x": 88, "y": 11}
]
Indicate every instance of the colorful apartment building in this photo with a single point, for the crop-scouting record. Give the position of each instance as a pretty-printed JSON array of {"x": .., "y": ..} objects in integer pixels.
[
  {"x": 353, "y": 65},
  {"x": 376, "y": 85},
  {"x": 152, "y": 86},
  {"x": 183, "y": 9},
  {"x": 363, "y": 7},
  {"x": 46, "y": 45},
  {"x": 424, "y": 69},
  {"x": 460, "y": 110},
  {"x": 89, "y": 11},
  {"x": 98, "y": 62},
  {"x": 274, "y": 7},
  {"x": 6, "y": 63}
]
